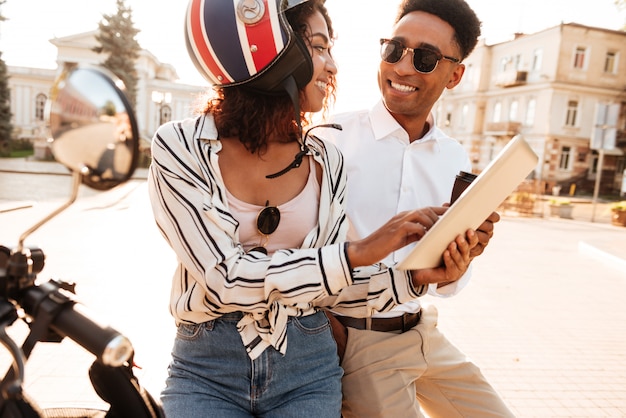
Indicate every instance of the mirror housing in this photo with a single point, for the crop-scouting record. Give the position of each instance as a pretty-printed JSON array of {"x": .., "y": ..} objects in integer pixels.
[{"x": 93, "y": 127}]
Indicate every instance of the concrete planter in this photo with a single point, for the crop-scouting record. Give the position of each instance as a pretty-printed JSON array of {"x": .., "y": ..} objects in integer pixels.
[
  {"x": 562, "y": 211},
  {"x": 618, "y": 217}
]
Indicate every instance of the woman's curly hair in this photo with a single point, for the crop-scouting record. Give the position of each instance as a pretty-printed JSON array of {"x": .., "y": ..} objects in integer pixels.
[{"x": 252, "y": 116}]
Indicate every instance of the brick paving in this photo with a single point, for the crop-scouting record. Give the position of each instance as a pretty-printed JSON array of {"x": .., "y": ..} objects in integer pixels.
[
  {"x": 544, "y": 318},
  {"x": 543, "y": 315}
]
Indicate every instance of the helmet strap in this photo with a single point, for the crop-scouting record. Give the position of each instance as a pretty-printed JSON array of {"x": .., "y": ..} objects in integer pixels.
[
  {"x": 290, "y": 86},
  {"x": 292, "y": 89}
]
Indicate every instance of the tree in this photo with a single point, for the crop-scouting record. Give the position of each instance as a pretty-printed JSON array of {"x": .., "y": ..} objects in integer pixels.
[
  {"x": 117, "y": 39},
  {"x": 6, "y": 127}
]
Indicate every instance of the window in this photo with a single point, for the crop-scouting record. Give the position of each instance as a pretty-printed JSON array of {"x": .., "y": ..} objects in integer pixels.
[
  {"x": 504, "y": 61},
  {"x": 595, "y": 159},
  {"x": 40, "y": 106},
  {"x": 610, "y": 62},
  {"x": 530, "y": 111},
  {"x": 620, "y": 165},
  {"x": 537, "y": 59},
  {"x": 166, "y": 114},
  {"x": 572, "y": 113},
  {"x": 513, "y": 110},
  {"x": 565, "y": 160},
  {"x": 497, "y": 112},
  {"x": 517, "y": 61},
  {"x": 580, "y": 57}
]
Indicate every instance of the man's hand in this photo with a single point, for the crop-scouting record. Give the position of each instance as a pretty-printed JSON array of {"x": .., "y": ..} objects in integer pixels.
[
  {"x": 456, "y": 260},
  {"x": 484, "y": 232}
]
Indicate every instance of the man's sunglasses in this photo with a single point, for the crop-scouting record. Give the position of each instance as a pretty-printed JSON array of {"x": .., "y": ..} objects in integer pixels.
[
  {"x": 424, "y": 60},
  {"x": 266, "y": 223}
]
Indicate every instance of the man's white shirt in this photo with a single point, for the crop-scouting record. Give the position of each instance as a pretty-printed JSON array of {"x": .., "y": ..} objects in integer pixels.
[{"x": 388, "y": 174}]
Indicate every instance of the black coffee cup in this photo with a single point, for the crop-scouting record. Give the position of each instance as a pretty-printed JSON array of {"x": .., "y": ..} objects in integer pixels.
[{"x": 463, "y": 179}]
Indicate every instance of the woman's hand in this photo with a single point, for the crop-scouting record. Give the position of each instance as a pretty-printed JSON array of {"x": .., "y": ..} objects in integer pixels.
[{"x": 399, "y": 231}]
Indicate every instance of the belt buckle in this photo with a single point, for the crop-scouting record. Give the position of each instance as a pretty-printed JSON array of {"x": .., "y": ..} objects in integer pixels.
[{"x": 404, "y": 322}]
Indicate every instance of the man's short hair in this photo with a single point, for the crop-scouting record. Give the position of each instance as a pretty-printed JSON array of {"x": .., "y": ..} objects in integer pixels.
[{"x": 457, "y": 13}]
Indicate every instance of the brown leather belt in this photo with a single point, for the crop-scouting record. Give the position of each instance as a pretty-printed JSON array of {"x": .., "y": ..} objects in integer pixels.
[{"x": 400, "y": 323}]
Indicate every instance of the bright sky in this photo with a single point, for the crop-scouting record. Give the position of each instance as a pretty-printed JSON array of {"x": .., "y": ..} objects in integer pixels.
[{"x": 358, "y": 23}]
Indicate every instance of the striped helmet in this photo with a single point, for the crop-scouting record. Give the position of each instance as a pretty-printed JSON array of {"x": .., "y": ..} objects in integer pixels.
[{"x": 246, "y": 42}]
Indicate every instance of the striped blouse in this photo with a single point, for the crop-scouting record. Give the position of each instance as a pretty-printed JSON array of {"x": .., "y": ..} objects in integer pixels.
[{"x": 216, "y": 276}]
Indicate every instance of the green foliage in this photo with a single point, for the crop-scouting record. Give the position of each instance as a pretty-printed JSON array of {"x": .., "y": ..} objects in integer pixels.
[
  {"x": 6, "y": 127},
  {"x": 117, "y": 40},
  {"x": 618, "y": 206},
  {"x": 561, "y": 202},
  {"x": 16, "y": 148}
]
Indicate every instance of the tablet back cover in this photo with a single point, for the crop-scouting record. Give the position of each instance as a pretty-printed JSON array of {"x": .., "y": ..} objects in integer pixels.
[{"x": 496, "y": 182}]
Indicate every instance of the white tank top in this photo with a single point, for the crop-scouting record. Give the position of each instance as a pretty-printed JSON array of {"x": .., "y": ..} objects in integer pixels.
[{"x": 297, "y": 218}]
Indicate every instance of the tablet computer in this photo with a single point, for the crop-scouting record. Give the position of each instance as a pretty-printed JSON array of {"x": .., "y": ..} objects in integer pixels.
[{"x": 483, "y": 196}]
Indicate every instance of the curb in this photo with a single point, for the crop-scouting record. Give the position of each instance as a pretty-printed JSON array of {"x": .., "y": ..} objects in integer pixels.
[{"x": 595, "y": 252}]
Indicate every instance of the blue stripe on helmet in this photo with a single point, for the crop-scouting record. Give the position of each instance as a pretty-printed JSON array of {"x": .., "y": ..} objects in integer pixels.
[{"x": 221, "y": 29}]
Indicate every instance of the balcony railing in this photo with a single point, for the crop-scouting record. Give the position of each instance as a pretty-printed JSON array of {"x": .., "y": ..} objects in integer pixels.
[
  {"x": 503, "y": 128},
  {"x": 511, "y": 78}
]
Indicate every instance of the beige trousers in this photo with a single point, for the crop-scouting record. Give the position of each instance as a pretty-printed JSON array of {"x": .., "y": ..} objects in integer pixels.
[{"x": 392, "y": 375}]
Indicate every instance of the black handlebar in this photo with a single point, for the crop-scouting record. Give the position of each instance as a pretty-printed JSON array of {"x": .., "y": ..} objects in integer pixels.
[{"x": 70, "y": 319}]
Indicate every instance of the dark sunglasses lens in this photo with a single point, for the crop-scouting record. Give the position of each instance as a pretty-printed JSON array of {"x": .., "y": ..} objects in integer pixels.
[
  {"x": 268, "y": 220},
  {"x": 390, "y": 52},
  {"x": 424, "y": 60}
]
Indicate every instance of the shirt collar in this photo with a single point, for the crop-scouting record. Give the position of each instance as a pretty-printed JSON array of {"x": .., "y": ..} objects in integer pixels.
[{"x": 383, "y": 124}]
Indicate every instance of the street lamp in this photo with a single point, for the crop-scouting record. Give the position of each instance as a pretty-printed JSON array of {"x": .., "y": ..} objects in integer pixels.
[{"x": 160, "y": 98}]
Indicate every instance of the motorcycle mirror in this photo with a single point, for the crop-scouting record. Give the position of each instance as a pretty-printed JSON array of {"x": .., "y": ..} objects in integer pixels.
[{"x": 94, "y": 130}]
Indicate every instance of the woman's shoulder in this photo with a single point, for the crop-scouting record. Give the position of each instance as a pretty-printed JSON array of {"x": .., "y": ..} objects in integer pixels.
[
  {"x": 324, "y": 147},
  {"x": 201, "y": 126}
]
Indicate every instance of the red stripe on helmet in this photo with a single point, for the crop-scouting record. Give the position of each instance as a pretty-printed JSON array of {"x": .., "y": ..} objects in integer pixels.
[
  {"x": 199, "y": 42},
  {"x": 261, "y": 37}
]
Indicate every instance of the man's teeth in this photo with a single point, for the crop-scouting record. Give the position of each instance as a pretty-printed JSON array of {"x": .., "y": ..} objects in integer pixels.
[{"x": 402, "y": 87}]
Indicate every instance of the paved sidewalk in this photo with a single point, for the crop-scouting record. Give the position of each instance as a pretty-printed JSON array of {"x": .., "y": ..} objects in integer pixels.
[
  {"x": 543, "y": 315},
  {"x": 544, "y": 318}
]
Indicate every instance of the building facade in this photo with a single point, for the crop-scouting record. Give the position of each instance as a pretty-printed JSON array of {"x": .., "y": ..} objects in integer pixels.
[
  {"x": 550, "y": 87},
  {"x": 160, "y": 98},
  {"x": 546, "y": 86}
]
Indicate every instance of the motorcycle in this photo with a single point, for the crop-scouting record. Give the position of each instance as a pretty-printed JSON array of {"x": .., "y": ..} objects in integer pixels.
[{"x": 95, "y": 135}]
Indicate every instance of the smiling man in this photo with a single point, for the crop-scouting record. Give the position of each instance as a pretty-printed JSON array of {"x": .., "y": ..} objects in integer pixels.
[{"x": 397, "y": 159}]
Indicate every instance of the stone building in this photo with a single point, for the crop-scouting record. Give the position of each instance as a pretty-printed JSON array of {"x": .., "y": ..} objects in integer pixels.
[
  {"x": 160, "y": 97},
  {"x": 546, "y": 86}
]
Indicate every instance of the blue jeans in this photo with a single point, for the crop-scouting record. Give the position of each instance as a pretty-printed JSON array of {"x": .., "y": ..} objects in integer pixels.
[{"x": 211, "y": 375}]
